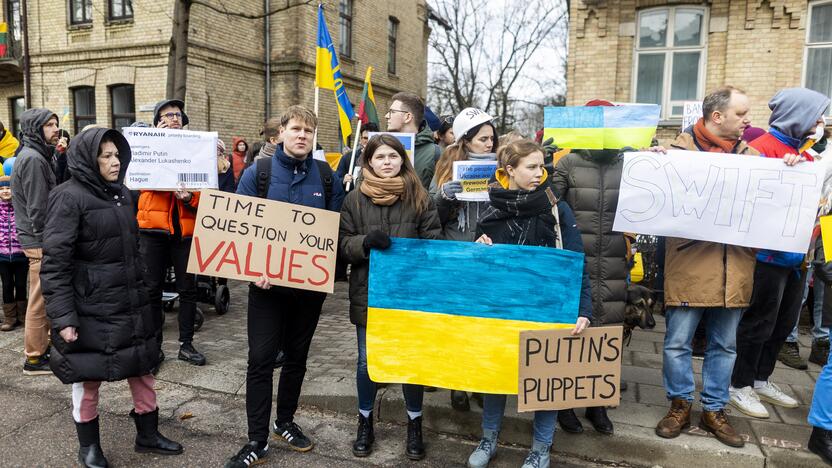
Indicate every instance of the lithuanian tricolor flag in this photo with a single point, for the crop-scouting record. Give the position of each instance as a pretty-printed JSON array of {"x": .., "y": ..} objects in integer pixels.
[
  {"x": 4, "y": 38},
  {"x": 328, "y": 76},
  {"x": 367, "y": 108},
  {"x": 601, "y": 127},
  {"x": 449, "y": 314}
]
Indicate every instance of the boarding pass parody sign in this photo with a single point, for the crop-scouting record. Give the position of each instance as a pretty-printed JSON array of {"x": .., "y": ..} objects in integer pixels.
[{"x": 165, "y": 159}]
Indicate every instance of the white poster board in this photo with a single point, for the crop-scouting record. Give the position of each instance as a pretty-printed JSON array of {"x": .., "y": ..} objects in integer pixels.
[
  {"x": 474, "y": 176},
  {"x": 750, "y": 201},
  {"x": 408, "y": 140},
  {"x": 692, "y": 112},
  {"x": 165, "y": 159}
]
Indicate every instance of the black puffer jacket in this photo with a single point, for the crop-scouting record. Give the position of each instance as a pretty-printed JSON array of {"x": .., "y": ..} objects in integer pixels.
[
  {"x": 359, "y": 216},
  {"x": 92, "y": 272},
  {"x": 588, "y": 181}
]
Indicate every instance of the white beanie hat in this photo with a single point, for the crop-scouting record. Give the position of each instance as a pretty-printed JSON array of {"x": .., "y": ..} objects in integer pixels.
[{"x": 469, "y": 118}]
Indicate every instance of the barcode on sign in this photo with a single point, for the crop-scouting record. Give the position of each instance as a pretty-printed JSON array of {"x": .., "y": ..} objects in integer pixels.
[{"x": 191, "y": 177}]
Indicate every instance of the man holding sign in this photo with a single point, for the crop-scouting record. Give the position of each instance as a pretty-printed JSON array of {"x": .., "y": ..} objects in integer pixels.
[{"x": 280, "y": 315}]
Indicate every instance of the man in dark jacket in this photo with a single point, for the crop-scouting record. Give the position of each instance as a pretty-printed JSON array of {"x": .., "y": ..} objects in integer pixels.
[
  {"x": 32, "y": 180},
  {"x": 407, "y": 115},
  {"x": 282, "y": 316}
]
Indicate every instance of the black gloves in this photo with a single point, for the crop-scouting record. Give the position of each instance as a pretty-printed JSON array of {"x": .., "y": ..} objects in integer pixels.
[{"x": 376, "y": 240}]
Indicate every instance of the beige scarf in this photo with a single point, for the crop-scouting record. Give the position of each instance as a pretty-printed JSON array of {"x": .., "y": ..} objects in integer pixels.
[{"x": 384, "y": 192}]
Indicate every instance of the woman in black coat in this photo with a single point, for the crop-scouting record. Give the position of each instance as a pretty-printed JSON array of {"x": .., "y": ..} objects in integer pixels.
[{"x": 102, "y": 327}]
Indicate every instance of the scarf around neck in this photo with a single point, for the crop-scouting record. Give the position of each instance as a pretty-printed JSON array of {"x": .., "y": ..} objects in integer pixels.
[
  {"x": 384, "y": 192},
  {"x": 710, "y": 142}
]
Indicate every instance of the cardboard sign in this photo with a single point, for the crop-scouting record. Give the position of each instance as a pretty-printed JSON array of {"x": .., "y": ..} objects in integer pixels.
[
  {"x": 560, "y": 371},
  {"x": 245, "y": 238},
  {"x": 165, "y": 159},
  {"x": 692, "y": 113},
  {"x": 474, "y": 176},
  {"x": 727, "y": 198},
  {"x": 408, "y": 140}
]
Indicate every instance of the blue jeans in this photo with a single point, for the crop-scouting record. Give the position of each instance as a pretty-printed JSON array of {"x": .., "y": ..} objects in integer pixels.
[
  {"x": 820, "y": 414},
  {"x": 413, "y": 394},
  {"x": 493, "y": 407},
  {"x": 818, "y": 331},
  {"x": 721, "y": 334}
]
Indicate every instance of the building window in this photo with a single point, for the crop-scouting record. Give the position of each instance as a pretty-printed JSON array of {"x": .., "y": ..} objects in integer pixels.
[
  {"x": 83, "y": 104},
  {"x": 16, "y": 107},
  {"x": 120, "y": 10},
  {"x": 670, "y": 58},
  {"x": 80, "y": 11},
  {"x": 392, "y": 35},
  {"x": 818, "y": 62},
  {"x": 13, "y": 17},
  {"x": 345, "y": 27},
  {"x": 122, "y": 106}
]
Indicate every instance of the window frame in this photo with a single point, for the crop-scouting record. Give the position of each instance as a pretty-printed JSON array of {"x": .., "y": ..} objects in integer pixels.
[
  {"x": 113, "y": 115},
  {"x": 392, "y": 43},
  {"x": 14, "y": 30},
  {"x": 668, "y": 50},
  {"x": 812, "y": 45},
  {"x": 85, "y": 117},
  {"x": 15, "y": 118},
  {"x": 87, "y": 20},
  {"x": 112, "y": 18},
  {"x": 345, "y": 22}
]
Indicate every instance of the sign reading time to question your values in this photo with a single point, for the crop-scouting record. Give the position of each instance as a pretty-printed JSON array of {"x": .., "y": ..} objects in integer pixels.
[
  {"x": 247, "y": 238},
  {"x": 166, "y": 159}
]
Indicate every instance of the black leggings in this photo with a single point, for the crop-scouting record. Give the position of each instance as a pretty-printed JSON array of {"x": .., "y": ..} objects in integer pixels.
[{"x": 14, "y": 276}]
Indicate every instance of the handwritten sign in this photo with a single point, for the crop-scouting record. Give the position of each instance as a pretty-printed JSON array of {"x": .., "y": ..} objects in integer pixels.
[
  {"x": 165, "y": 159},
  {"x": 560, "y": 371},
  {"x": 408, "y": 140},
  {"x": 246, "y": 238},
  {"x": 692, "y": 112},
  {"x": 474, "y": 176},
  {"x": 727, "y": 198}
]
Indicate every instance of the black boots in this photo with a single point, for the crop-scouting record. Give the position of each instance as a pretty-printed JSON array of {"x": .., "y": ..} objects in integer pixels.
[
  {"x": 820, "y": 443},
  {"x": 363, "y": 445},
  {"x": 597, "y": 415},
  {"x": 90, "y": 454},
  {"x": 415, "y": 447},
  {"x": 569, "y": 422},
  {"x": 148, "y": 438}
]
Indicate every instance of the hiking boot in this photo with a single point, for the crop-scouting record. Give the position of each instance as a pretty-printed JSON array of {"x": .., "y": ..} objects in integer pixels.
[
  {"x": 717, "y": 424},
  {"x": 459, "y": 401},
  {"x": 89, "y": 440},
  {"x": 790, "y": 356},
  {"x": 676, "y": 420},
  {"x": 148, "y": 437},
  {"x": 363, "y": 445},
  {"x": 10, "y": 321},
  {"x": 189, "y": 354},
  {"x": 569, "y": 422},
  {"x": 820, "y": 443},
  {"x": 597, "y": 415},
  {"x": 252, "y": 453},
  {"x": 771, "y": 393},
  {"x": 485, "y": 451},
  {"x": 819, "y": 354},
  {"x": 747, "y": 401},
  {"x": 292, "y": 435},
  {"x": 415, "y": 446},
  {"x": 538, "y": 456},
  {"x": 38, "y": 365}
]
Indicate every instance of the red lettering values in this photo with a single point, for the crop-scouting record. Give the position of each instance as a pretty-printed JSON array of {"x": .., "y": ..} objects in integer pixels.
[
  {"x": 249, "y": 271},
  {"x": 202, "y": 265},
  {"x": 232, "y": 259},
  {"x": 320, "y": 267},
  {"x": 292, "y": 265},
  {"x": 279, "y": 275}
]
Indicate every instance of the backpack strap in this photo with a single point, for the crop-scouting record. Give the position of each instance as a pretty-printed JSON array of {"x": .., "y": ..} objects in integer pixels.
[
  {"x": 559, "y": 240},
  {"x": 264, "y": 175},
  {"x": 326, "y": 174}
]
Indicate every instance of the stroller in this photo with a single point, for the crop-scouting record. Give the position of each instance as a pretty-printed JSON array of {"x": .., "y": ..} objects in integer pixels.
[{"x": 209, "y": 290}]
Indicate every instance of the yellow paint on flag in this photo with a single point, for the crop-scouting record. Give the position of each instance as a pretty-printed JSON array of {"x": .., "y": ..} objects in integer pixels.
[{"x": 826, "y": 235}]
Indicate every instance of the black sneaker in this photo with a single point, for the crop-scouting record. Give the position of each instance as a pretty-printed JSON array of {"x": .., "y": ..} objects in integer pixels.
[
  {"x": 37, "y": 366},
  {"x": 291, "y": 433},
  {"x": 189, "y": 354},
  {"x": 249, "y": 455}
]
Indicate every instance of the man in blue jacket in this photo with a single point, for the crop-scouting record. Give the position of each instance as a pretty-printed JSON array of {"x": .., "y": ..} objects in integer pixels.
[{"x": 280, "y": 316}]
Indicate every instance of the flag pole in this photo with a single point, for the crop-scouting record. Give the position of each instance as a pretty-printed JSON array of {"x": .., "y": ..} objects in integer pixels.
[
  {"x": 315, "y": 135},
  {"x": 354, "y": 148}
]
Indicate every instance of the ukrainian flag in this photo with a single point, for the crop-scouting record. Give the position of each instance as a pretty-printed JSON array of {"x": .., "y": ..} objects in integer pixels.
[
  {"x": 449, "y": 314},
  {"x": 601, "y": 127},
  {"x": 328, "y": 75}
]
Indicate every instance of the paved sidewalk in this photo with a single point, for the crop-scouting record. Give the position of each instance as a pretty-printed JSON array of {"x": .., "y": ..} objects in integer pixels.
[{"x": 778, "y": 441}]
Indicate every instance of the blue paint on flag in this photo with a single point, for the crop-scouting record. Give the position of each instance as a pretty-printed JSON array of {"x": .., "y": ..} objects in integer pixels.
[
  {"x": 573, "y": 117},
  {"x": 646, "y": 115}
]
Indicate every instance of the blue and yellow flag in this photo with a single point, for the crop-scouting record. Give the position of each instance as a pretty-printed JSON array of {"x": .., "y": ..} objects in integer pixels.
[
  {"x": 449, "y": 314},
  {"x": 328, "y": 76},
  {"x": 601, "y": 127}
]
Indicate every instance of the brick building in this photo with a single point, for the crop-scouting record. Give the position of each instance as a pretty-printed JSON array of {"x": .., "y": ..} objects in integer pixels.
[
  {"x": 106, "y": 61},
  {"x": 667, "y": 52}
]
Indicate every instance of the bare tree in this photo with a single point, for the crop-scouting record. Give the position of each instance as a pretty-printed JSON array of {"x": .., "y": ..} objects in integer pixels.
[{"x": 493, "y": 54}]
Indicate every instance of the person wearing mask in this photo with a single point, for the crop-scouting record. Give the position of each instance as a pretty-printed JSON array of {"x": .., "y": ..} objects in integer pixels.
[
  {"x": 103, "y": 328},
  {"x": 525, "y": 211},
  {"x": 779, "y": 280},
  {"x": 166, "y": 226},
  {"x": 407, "y": 115},
  {"x": 390, "y": 202},
  {"x": 13, "y": 263},
  {"x": 238, "y": 157},
  {"x": 32, "y": 180}
]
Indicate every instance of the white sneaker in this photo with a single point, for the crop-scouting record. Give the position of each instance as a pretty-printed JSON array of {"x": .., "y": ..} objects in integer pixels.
[
  {"x": 772, "y": 394},
  {"x": 747, "y": 401}
]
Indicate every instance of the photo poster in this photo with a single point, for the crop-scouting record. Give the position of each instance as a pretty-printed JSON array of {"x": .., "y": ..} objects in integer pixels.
[
  {"x": 474, "y": 176},
  {"x": 408, "y": 140},
  {"x": 691, "y": 113},
  {"x": 166, "y": 159},
  {"x": 246, "y": 238}
]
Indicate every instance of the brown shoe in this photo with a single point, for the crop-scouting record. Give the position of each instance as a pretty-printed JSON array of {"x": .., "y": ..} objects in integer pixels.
[
  {"x": 677, "y": 419},
  {"x": 717, "y": 424},
  {"x": 10, "y": 321}
]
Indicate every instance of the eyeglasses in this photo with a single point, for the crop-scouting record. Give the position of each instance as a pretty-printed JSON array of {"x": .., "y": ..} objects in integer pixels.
[
  {"x": 397, "y": 110},
  {"x": 172, "y": 115},
  {"x": 448, "y": 120}
]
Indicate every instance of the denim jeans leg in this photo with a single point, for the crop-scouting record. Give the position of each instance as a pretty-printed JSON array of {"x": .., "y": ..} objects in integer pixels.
[
  {"x": 413, "y": 396},
  {"x": 493, "y": 407},
  {"x": 677, "y": 370},
  {"x": 366, "y": 387},
  {"x": 544, "y": 426},
  {"x": 719, "y": 356},
  {"x": 792, "y": 338},
  {"x": 820, "y": 414},
  {"x": 818, "y": 332}
]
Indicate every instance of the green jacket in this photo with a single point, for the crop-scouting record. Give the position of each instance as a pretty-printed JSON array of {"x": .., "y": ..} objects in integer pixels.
[{"x": 425, "y": 156}]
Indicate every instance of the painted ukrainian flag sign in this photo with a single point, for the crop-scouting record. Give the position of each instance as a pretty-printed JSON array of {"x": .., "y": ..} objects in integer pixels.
[
  {"x": 449, "y": 314},
  {"x": 601, "y": 127}
]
